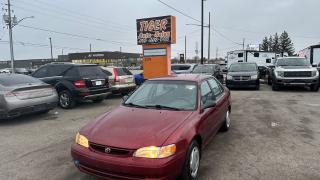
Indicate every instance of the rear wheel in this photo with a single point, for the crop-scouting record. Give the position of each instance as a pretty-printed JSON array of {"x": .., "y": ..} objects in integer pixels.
[
  {"x": 192, "y": 162},
  {"x": 314, "y": 87},
  {"x": 66, "y": 100},
  {"x": 269, "y": 80}
]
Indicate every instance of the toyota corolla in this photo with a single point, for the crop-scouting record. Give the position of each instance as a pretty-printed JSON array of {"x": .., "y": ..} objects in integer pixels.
[{"x": 158, "y": 132}]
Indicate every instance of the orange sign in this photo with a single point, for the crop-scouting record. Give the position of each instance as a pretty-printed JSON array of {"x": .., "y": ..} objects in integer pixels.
[{"x": 156, "y": 36}]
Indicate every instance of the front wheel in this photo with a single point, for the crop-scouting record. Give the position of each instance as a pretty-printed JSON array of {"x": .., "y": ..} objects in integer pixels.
[
  {"x": 275, "y": 87},
  {"x": 227, "y": 122},
  {"x": 314, "y": 87},
  {"x": 192, "y": 163}
]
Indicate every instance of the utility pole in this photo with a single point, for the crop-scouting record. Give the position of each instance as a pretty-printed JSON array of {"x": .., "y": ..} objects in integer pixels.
[
  {"x": 202, "y": 19},
  {"x": 243, "y": 43},
  {"x": 10, "y": 37},
  {"x": 185, "y": 49},
  {"x": 51, "y": 48},
  {"x": 90, "y": 48},
  {"x": 209, "y": 41},
  {"x": 62, "y": 51}
]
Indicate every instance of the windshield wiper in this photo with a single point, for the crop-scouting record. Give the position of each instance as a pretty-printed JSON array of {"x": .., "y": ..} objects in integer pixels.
[
  {"x": 135, "y": 105},
  {"x": 163, "y": 107}
]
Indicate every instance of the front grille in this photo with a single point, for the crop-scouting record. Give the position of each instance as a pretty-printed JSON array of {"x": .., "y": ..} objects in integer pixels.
[
  {"x": 241, "y": 78},
  {"x": 298, "y": 74},
  {"x": 110, "y": 150}
]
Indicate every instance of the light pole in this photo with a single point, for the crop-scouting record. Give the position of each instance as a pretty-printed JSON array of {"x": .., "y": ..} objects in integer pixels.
[
  {"x": 12, "y": 22},
  {"x": 51, "y": 48},
  {"x": 202, "y": 19}
]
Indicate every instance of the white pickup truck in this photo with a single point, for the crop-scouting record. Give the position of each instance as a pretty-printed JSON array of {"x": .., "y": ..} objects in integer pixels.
[{"x": 294, "y": 71}]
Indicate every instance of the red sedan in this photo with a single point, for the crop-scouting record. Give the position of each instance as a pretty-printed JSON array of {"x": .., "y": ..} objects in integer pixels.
[{"x": 158, "y": 132}]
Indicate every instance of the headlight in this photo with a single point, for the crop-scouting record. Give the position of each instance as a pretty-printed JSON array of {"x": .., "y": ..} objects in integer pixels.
[
  {"x": 154, "y": 152},
  {"x": 315, "y": 73},
  {"x": 254, "y": 77},
  {"x": 82, "y": 140},
  {"x": 280, "y": 73},
  {"x": 229, "y": 77}
]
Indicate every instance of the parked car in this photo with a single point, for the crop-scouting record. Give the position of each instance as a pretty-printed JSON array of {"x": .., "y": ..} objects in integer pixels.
[
  {"x": 6, "y": 71},
  {"x": 120, "y": 79},
  {"x": 183, "y": 68},
  {"x": 243, "y": 75},
  {"x": 21, "y": 94},
  {"x": 293, "y": 71},
  {"x": 209, "y": 69},
  {"x": 158, "y": 132},
  {"x": 139, "y": 79},
  {"x": 75, "y": 82}
]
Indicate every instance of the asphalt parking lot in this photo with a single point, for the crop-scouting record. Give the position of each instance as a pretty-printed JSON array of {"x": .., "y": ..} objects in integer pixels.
[{"x": 274, "y": 135}]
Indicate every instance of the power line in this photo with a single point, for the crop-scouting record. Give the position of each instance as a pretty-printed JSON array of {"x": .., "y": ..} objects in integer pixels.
[{"x": 76, "y": 13}]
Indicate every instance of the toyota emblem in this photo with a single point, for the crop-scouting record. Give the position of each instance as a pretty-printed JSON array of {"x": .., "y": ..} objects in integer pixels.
[{"x": 107, "y": 150}]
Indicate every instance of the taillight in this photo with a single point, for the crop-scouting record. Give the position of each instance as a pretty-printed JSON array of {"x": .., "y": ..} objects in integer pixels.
[
  {"x": 80, "y": 84},
  {"x": 115, "y": 75}
]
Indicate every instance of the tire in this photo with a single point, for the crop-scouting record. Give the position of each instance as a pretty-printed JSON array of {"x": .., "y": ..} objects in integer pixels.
[
  {"x": 98, "y": 100},
  {"x": 227, "y": 123},
  {"x": 258, "y": 87},
  {"x": 195, "y": 152},
  {"x": 66, "y": 101},
  {"x": 314, "y": 87},
  {"x": 269, "y": 81},
  {"x": 275, "y": 87}
]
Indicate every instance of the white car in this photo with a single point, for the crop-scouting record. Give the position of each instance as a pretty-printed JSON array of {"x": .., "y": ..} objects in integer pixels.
[{"x": 5, "y": 71}]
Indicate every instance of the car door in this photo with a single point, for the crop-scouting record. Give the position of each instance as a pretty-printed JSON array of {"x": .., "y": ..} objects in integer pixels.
[
  {"x": 208, "y": 115},
  {"x": 221, "y": 102}
]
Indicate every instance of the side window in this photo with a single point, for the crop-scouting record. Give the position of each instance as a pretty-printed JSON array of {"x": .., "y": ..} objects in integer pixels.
[
  {"x": 42, "y": 72},
  {"x": 206, "y": 93},
  {"x": 73, "y": 72},
  {"x": 240, "y": 55},
  {"x": 216, "y": 88},
  {"x": 57, "y": 70}
]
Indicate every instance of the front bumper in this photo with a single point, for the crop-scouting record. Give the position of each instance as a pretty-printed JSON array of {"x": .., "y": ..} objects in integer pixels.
[
  {"x": 296, "y": 82},
  {"x": 242, "y": 84},
  {"x": 126, "y": 168}
]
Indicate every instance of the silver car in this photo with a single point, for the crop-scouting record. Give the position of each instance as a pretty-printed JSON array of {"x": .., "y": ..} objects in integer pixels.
[
  {"x": 183, "y": 68},
  {"x": 22, "y": 94},
  {"x": 121, "y": 79}
]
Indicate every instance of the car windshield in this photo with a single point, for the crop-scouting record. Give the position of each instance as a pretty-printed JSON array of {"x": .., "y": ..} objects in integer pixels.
[
  {"x": 293, "y": 62},
  {"x": 180, "y": 67},
  {"x": 169, "y": 95},
  {"x": 13, "y": 80},
  {"x": 203, "y": 69},
  {"x": 123, "y": 72},
  {"x": 245, "y": 67}
]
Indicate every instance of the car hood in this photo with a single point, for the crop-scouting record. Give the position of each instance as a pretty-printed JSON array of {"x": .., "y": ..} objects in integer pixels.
[
  {"x": 133, "y": 128},
  {"x": 242, "y": 73},
  {"x": 296, "y": 68}
]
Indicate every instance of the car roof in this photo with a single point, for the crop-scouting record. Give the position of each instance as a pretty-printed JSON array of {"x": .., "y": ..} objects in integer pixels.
[
  {"x": 244, "y": 63},
  {"x": 71, "y": 64},
  {"x": 183, "y": 77}
]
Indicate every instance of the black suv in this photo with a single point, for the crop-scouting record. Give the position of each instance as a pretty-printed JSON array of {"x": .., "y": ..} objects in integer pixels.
[{"x": 75, "y": 82}]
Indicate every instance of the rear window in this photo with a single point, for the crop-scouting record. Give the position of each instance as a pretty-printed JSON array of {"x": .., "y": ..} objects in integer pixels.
[
  {"x": 123, "y": 71},
  {"x": 13, "y": 80},
  {"x": 180, "y": 67},
  {"x": 91, "y": 71}
]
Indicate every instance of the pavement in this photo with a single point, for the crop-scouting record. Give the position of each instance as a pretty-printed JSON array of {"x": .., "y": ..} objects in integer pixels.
[{"x": 274, "y": 135}]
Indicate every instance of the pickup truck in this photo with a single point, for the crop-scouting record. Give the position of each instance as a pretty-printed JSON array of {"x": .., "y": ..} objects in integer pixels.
[{"x": 293, "y": 71}]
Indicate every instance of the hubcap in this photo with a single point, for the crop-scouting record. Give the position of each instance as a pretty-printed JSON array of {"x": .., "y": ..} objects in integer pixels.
[
  {"x": 194, "y": 161},
  {"x": 228, "y": 120},
  {"x": 64, "y": 100}
]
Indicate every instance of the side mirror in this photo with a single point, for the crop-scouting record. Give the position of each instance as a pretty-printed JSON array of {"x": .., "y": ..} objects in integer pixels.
[
  {"x": 125, "y": 98},
  {"x": 209, "y": 104}
]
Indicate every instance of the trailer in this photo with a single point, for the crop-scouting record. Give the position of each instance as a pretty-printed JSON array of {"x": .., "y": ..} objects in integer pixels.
[
  {"x": 263, "y": 59},
  {"x": 312, "y": 53}
]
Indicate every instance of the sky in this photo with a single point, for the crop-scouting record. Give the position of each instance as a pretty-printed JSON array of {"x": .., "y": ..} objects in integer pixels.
[{"x": 109, "y": 25}]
